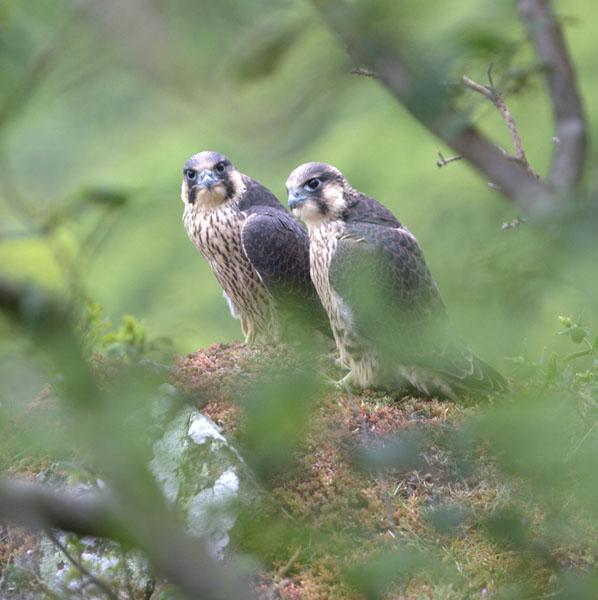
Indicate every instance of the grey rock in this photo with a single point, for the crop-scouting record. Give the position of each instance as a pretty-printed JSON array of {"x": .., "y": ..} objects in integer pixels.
[
  {"x": 205, "y": 476},
  {"x": 200, "y": 473}
]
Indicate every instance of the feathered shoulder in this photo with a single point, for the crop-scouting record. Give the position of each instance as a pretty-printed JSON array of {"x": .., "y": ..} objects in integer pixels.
[
  {"x": 258, "y": 195},
  {"x": 362, "y": 208}
]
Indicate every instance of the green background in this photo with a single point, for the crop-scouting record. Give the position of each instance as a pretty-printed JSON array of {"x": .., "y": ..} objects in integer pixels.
[{"x": 130, "y": 90}]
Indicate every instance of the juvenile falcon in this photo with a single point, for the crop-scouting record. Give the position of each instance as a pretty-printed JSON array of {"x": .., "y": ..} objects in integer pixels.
[
  {"x": 388, "y": 318},
  {"x": 257, "y": 250}
]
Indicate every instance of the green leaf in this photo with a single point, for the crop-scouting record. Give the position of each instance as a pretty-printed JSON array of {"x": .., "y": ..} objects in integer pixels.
[
  {"x": 578, "y": 334},
  {"x": 552, "y": 366},
  {"x": 575, "y": 355},
  {"x": 567, "y": 322}
]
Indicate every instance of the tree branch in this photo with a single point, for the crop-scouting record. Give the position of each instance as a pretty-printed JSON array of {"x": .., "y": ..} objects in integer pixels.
[
  {"x": 428, "y": 102},
  {"x": 182, "y": 560},
  {"x": 441, "y": 162},
  {"x": 545, "y": 32},
  {"x": 77, "y": 564},
  {"x": 491, "y": 93},
  {"x": 365, "y": 72}
]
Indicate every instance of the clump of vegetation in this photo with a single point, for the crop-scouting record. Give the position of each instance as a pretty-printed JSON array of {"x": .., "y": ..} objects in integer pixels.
[
  {"x": 387, "y": 497},
  {"x": 383, "y": 482},
  {"x": 128, "y": 341},
  {"x": 575, "y": 371},
  {"x": 403, "y": 497}
]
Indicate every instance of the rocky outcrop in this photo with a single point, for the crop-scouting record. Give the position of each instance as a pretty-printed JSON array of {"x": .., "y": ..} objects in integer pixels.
[{"x": 203, "y": 477}]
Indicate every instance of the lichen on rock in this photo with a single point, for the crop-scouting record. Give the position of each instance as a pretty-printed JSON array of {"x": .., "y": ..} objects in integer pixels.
[{"x": 201, "y": 472}]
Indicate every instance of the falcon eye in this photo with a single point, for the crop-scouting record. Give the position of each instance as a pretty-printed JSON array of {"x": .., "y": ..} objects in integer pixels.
[
  {"x": 313, "y": 184},
  {"x": 190, "y": 174},
  {"x": 220, "y": 167}
]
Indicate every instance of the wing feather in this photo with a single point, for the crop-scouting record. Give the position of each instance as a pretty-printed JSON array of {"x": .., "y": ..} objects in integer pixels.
[
  {"x": 380, "y": 273},
  {"x": 278, "y": 248}
]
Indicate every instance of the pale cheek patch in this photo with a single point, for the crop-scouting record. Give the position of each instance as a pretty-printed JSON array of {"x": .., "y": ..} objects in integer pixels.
[
  {"x": 335, "y": 200},
  {"x": 310, "y": 213},
  {"x": 184, "y": 192},
  {"x": 237, "y": 180}
]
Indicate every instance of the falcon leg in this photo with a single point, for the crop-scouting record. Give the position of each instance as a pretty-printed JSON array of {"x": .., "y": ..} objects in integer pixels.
[
  {"x": 347, "y": 380},
  {"x": 340, "y": 385},
  {"x": 248, "y": 331}
]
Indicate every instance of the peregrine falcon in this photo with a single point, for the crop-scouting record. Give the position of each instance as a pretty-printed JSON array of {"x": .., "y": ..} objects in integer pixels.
[
  {"x": 257, "y": 250},
  {"x": 387, "y": 315}
]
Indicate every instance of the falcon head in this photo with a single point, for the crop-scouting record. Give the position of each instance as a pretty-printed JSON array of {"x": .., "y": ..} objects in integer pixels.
[
  {"x": 210, "y": 180},
  {"x": 317, "y": 193}
]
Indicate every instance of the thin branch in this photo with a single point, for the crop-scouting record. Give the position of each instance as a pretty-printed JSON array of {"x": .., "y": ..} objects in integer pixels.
[
  {"x": 77, "y": 564},
  {"x": 365, "y": 72},
  {"x": 37, "y": 507},
  {"x": 571, "y": 128},
  {"x": 445, "y": 161},
  {"x": 429, "y": 103},
  {"x": 289, "y": 564},
  {"x": 182, "y": 560},
  {"x": 41, "y": 584},
  {"x": 491, "y": 93},
  {"x": 476, "y": 87},
  {"x": 514, "y": 223}
]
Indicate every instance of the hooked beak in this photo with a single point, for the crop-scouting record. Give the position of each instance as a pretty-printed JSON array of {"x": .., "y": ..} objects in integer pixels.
[
  {"x": 296, "y": 198},
  {"x": 207, "y": 179}
]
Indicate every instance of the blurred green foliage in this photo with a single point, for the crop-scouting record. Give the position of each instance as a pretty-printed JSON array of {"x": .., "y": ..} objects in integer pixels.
[
  {"x": 129, "y": 341},
  {"x": 100, "y": 105},
  {"x": 90, "y": 107}
]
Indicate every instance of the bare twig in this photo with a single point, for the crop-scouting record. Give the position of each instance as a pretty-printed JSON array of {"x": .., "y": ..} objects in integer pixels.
[
  {"x": 476, "y": 87},
  {"x": 581, "y": 442},
  {"x": 365, "y": 72},
  {"x": 184, "y": 561},
  {"x": 288, "y": 565},
  {"x": 514, "y": 223},
  {"x": 491, "y": 93},
  {"x": 77, "y": 564},
  {"x": 445, "y": 161},
  {"x": 545, "y": 31},
  {"x": 41, "y": 584},
  {"x": 434, "y": 111}
]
